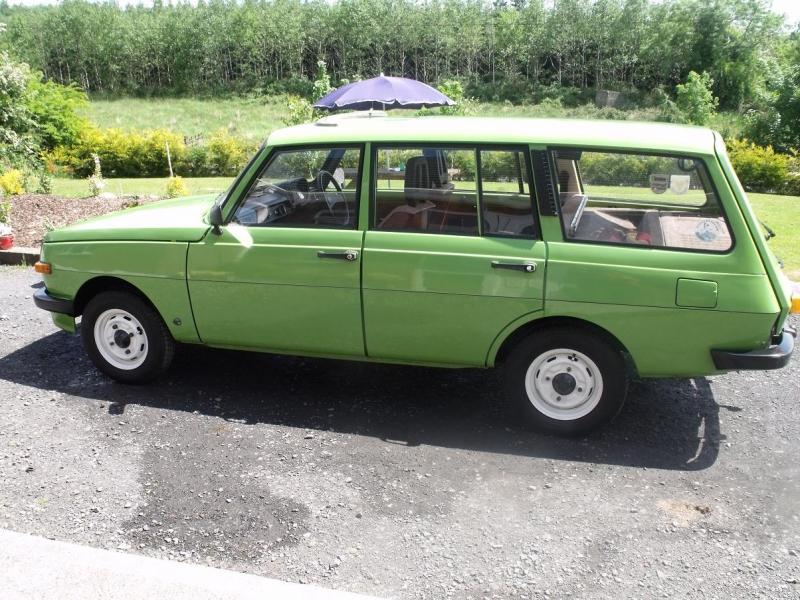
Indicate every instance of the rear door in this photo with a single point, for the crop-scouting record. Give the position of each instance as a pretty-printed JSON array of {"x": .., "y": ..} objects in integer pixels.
[
  {"x": 452, "y": 255},
  {"x": 285, "y": 273}
]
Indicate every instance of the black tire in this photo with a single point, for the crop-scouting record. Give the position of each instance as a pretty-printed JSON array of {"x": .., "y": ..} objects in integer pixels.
[
  {"x": 153, "y": 341},
  {"x": 599, "y": 408}
]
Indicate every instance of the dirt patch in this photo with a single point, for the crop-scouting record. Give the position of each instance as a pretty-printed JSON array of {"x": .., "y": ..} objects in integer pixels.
[
  {"x": 33, "y": 215},
  {"x": 683, "y": 513}
]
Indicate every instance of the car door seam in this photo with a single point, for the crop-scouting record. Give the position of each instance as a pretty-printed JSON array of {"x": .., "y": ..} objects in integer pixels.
[
  {"x": 189, "y": 293},
  {"x": 361, "y": 292}
]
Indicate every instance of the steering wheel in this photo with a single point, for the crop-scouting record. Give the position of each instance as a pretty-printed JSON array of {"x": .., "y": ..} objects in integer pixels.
[
  {"x": 331, "y": 179},
  {"x": 262, "y": 188},
  {"x": 573, "y": 227},
  {"x": 338, "y": 196}
]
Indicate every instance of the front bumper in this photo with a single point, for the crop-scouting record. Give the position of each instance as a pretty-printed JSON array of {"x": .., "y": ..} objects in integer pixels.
[
  {"x": 47, "y": 302},
  {"x": 775, "y": 356}
]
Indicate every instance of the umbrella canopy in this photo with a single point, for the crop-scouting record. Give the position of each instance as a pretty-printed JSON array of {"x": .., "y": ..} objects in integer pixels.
[{"x": 384, "y": 93}]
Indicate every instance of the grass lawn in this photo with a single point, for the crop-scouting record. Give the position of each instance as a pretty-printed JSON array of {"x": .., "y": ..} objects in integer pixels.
[
  {"x": 782, "y": 214},
  {"x": 79, "y": 188},
  {"x": 254, "y": 118},
  {"x": 251, "y": 118}
]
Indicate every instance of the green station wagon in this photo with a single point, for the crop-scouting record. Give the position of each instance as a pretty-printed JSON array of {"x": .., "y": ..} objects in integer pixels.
[{"x": 573, "y": 254}]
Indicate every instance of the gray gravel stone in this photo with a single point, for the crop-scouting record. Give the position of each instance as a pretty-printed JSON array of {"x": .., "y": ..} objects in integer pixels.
[{"x": 397, "y": 481}]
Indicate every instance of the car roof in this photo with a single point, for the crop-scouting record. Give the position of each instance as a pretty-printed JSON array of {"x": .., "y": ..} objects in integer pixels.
[{"x": 631, "y": 135}]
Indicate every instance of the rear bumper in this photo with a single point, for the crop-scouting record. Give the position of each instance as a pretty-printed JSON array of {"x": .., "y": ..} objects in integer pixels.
[
  {"x": 47, "y": 302},
  {"x": 775, "y": 356}
]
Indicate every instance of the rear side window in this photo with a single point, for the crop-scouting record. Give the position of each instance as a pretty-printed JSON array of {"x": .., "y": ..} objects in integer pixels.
[
  {"x": 426, "y": 189},
  {"x": 457, "y": 191},
  {"x": 639, "y": 199},
  {"x": 505, "y": 193}
]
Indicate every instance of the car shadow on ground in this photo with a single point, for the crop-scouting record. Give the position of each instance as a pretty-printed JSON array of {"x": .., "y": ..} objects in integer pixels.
[{"x": 667, "y": 424}]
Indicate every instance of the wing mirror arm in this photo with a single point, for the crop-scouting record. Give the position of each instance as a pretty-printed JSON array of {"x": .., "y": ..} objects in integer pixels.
[{"x": 215, "y": 219}]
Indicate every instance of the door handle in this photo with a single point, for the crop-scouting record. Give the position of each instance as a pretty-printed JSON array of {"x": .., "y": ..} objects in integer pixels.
[
  {"x": 524, "y": 267},
  {"x": 350, "y": 255}
]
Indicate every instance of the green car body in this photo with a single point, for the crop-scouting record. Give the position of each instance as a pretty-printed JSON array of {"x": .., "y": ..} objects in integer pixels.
[{"x": 424, "y": 297}]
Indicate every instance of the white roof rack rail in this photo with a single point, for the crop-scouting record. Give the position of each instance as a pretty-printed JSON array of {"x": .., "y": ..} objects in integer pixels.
[{"x": 333, "y": 120}]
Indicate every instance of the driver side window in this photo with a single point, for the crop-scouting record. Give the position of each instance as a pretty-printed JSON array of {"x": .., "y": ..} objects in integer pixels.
[{"x": 314, "y": 188}]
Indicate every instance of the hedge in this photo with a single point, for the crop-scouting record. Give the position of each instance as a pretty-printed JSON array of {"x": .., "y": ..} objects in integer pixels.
[
  {"x": 144, "y": 154},
  {"x": 761, "y": 169}
]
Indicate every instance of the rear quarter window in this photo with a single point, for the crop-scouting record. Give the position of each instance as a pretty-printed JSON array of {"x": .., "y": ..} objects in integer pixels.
[{"x": 639, "y": 199}]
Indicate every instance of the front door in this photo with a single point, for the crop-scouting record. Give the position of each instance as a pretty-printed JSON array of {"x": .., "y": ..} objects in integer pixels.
[
  {"x": 284, "y": 273},
  {"x": 452, "y": 256}
]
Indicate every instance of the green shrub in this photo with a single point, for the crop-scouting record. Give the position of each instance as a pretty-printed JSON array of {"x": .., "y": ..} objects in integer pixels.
[
  {"x": 54, "y": 109},
  {"x": 695, "y": 99},
  {"x": 5, "y": 212},
  {"x": 516, "y": 92},
  {"x": 219, "y": 155},
  {"x": 96, "y": 182},
  {"x": 791, "y": 186},
  {"x": 566, "y": 96},
  {"x": 322, "y": 81},
  {"x": 299, "y": 111},
  {"x": 144, "y": 154},
  {"x": 176, "y": 187},
  {"x": 453, "y": 89},
  {"x": 45, "y": 182},
  {"x": 123, "y": 154},
  {"x": 12, "y": 182},
  {"x": 293, "y": 86},
  {"x": 759, "y": 168}
]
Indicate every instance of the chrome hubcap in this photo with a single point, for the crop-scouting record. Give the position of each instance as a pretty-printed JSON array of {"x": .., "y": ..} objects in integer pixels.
[
  {"x": 564, "y": 384},
  {"x": 120, "y": 339}
]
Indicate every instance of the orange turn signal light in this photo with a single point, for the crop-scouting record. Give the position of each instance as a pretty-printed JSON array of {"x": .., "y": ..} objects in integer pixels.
[
  {"x": 795, "y": 309},
  {"x": 43, "y": 268}
]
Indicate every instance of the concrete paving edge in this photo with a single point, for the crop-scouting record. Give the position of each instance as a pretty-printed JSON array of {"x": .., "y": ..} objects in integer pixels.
[
  {"x": 38, "y": 568},
  {"x": 18, "y": 255}
]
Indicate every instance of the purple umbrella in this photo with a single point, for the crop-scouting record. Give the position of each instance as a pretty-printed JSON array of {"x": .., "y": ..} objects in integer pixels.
[{"x": 384, "y": 93}]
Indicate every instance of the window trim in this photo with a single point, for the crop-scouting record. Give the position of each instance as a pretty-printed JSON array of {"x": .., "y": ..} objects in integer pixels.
[
  {"x": 267, "y": 161},
  {"x": 537, "y": 232},
  {"x": 639, "y": 152},
  {"x": 476, "y": 147}
]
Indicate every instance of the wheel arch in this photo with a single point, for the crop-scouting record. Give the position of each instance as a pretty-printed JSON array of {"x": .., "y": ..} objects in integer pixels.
[
  {"x": 106, "y": 283},
  {"x": 517, "y": 331}
]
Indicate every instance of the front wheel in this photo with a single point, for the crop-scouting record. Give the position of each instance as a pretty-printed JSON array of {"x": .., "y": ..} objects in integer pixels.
[
  {"x": 125, "y": 338},
  {"x": 565, "y": 381}
]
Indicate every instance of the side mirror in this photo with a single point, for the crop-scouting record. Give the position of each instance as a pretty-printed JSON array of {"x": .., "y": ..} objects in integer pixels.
[{"x": 215, "y": 219}]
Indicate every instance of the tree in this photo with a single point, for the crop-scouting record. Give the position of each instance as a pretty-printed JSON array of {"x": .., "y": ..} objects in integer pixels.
[{"x": 17, "y": 146}]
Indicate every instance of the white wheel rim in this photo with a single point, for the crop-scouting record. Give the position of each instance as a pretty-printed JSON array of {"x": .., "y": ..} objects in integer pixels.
[
  {"x": 120, "y": 339},
  {"x": 564, "y": 384}
]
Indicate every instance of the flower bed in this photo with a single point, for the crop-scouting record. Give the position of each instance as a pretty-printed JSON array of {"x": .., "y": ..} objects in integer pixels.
[{"x": 33, "y": 215}]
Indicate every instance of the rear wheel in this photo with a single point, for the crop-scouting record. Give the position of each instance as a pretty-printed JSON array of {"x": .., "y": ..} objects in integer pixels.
[
  {"x": 125, "y": 338},
  {"x": 566, "y": 381}
]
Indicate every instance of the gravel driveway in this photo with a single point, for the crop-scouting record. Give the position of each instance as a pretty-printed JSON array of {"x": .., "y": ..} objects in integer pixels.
[{"x": 397, "y": 481}]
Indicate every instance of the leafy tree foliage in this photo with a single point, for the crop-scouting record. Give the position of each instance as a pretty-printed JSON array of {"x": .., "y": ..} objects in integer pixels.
[
  {"x": 17, "y": 146},
  {"x": 519, "y": 46},
  {"x": 55, "y": 109}
]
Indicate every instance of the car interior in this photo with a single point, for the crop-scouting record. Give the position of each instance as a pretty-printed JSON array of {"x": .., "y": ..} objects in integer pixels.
[
  {"x": 431, "y": 201},
  {"x": 604, "y": 218},
  {"x": 327, "y": 198}
]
